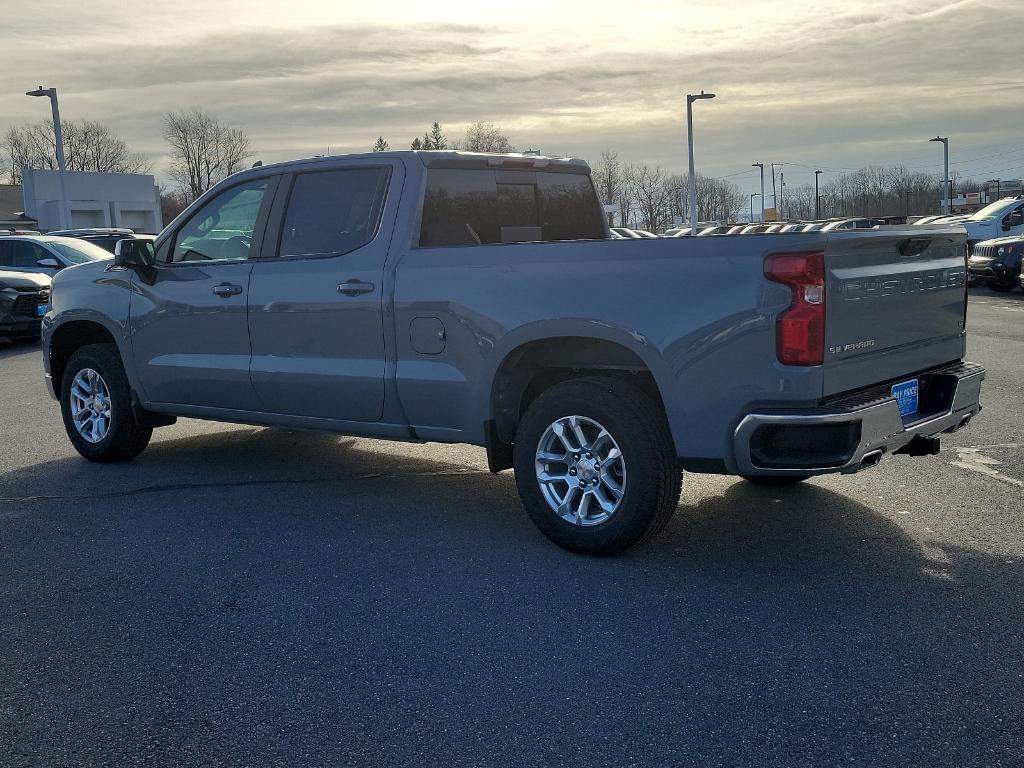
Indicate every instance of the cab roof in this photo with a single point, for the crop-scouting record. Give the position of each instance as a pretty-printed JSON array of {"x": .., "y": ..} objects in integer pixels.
[{"x": 447, "y": 158}]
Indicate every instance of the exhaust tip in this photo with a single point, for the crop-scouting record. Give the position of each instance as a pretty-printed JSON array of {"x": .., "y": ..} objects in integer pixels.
[{"x": 871, "y": 458}]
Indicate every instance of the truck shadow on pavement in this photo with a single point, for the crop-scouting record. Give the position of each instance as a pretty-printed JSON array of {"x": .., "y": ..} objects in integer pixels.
[{"x": 266, "y": 575}]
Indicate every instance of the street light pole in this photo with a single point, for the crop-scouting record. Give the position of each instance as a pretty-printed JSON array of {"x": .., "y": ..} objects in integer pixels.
[
  {"x": 947, "y": 195},
  {"x": 760, "y": 166},
  {"x": 817, "y": 197},
  {"x": 690, "y": 98},
  {"x": 65, "y": 208}
]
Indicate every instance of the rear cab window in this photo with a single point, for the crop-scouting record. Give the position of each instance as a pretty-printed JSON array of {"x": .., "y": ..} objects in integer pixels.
[
  {"x": 477, "y": 206},
  {"x": 333, "y": 212}
]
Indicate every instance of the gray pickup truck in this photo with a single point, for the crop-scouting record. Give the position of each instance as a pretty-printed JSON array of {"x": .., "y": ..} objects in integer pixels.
[{"x": 471, "y": 298}]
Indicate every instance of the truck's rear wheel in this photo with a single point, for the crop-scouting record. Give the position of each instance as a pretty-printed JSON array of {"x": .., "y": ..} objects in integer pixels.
[
  {"x": 96, "y": 402},
  {"x": 1003, "y": 287},
  {"x": 595, "y": 466}
]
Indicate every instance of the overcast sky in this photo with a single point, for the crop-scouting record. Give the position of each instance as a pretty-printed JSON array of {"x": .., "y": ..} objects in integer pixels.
[{"x": 822, "y": 83}]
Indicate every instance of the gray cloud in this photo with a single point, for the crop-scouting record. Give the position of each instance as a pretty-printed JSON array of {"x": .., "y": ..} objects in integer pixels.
[{"x": 834, "y": 88}]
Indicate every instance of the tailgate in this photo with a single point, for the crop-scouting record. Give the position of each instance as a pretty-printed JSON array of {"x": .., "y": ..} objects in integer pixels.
[{"x": 895, "y": 303}]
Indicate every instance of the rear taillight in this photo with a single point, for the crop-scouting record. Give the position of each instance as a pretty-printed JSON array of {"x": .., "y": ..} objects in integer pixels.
[{"x": 800, "y": 330}]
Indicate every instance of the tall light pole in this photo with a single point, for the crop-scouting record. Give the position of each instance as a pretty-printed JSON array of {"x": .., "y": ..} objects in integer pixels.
[
  {"x": 756, "y": 194},
  {"x": 690, "y": 98},
  {"x": 817, "y": 197},
  {"x": 58, "y": 138},
  {"x": 760, "y": 166},
  {"x": 947, "y": 193}
]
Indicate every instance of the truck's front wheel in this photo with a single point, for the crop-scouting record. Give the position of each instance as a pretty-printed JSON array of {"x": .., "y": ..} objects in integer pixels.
[
  {"x": 595, "y": 466},
  {"x": 96, "y": 402}
]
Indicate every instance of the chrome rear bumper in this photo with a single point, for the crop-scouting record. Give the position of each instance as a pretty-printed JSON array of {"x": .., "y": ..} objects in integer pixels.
[{"x": 874, "y": 427}]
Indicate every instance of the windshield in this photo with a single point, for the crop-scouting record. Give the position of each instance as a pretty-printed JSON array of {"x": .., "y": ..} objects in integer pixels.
[
  {"x": 993, "y": 211},
  {"x": 78, "y": 251}
]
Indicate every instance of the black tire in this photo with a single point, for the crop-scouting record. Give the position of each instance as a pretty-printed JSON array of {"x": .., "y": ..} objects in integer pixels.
[
  {"x": 126, "y": 438},
  {"x": 638, "y": 426},
  {"x": 1003, "y": 287},
  {"x": 776, "y": 480}
]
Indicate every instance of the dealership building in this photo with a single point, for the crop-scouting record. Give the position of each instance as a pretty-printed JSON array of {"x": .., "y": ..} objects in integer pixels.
[{"x": 129, "y": 200}]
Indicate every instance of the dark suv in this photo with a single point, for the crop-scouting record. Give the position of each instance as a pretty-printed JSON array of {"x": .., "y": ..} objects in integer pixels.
[
  {"x": 997, "y": 263},
  {"x": 24, "y": 299}
]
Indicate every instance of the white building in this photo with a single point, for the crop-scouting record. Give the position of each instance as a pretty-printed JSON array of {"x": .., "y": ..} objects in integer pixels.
[{"x": 96, "y": 199}]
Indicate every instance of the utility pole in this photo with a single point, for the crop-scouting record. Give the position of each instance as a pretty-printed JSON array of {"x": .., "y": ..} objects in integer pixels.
[
  {"x": 760, "y": 167},
  {"x": 782, "y": 194},
  {"x": 775, "y": 198},
  {"x": 817, "y": 197}
]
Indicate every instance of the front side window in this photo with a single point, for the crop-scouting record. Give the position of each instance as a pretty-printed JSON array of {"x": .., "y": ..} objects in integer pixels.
[
  {"x": 331, "y": 213},
  {"x": 222, "y": 229},
  {"x": 480, "y": 207}
]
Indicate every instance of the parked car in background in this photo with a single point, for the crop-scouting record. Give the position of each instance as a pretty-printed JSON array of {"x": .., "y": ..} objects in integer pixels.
[
  {"x": 854, "y": 223},
  {"x": 997, "y": 263},
  {"x": 24, "y": 299},
  {"x": 716, "y": 230},
  {"x": 953, "y": 218},
  {"x": 105, "y": 237},
  {"x": 625, "y": 232},
  {"x": 736, "y": 229},
  {"x": 48, "y": 254},
  {"x": 814, "y": 226},
  {"x": 679, "y": 232},
  {"x": 1002, "y": 218}
]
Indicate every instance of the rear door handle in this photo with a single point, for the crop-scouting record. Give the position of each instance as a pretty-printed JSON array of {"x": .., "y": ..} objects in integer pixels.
[
  {"x": 226, "y": 289},
  {"x": 354, "y": 287}
]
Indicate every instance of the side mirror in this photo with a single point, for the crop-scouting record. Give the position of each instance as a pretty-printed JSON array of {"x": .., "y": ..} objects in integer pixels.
[
  {"x": 48, "y": 264},
  {"x": 133, "y": 253}
]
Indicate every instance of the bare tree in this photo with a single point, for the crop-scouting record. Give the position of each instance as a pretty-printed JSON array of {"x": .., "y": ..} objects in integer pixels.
[
  {"x": 651, "y": 193},
  {"x": 203, "y": 150},
  {"x": 608, "y": 177},
  {"x": 485, "y": 137},
  {"x": 88, "y": 146}
]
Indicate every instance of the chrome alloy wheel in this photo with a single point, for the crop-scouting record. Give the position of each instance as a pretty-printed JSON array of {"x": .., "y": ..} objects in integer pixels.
[
  {"x": 581, "y": 471},
  {"x": 90, "y": 405}
]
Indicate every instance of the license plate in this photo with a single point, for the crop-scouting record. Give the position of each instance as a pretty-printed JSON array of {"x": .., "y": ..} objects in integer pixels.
[
  {"x": 906, "y": 396},
  {"x": 41, "y": 309}
]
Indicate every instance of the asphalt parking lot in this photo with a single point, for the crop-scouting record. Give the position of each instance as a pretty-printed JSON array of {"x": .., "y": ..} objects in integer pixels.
[{"x": 245, "y": 596}]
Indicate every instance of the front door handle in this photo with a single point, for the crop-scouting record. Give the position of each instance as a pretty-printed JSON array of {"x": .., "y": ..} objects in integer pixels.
[
  {"x": 354, "y": 287},
  {"x": 226, "y": 289}
]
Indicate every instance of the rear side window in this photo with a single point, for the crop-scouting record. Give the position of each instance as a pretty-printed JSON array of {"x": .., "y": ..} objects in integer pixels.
[
  {"x": 483, "y": 207},
  {"x": 331, "y": 213}
]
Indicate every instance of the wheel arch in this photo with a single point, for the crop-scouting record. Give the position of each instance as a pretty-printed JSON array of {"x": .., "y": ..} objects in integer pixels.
[
  {"x": 533, "y": 362},
  {"x": 72, "y": 335}
]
